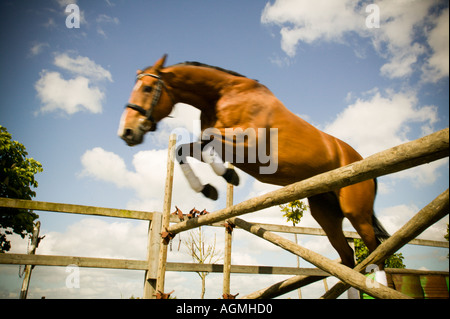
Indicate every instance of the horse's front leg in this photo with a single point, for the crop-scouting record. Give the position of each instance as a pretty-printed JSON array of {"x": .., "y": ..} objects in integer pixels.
[
  {"x": 194, "y": 150},
  {"x": 201, "y": 152}
]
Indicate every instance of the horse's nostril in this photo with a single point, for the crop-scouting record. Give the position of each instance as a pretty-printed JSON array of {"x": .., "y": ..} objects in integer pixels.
[{"x": 128, "y": 132}]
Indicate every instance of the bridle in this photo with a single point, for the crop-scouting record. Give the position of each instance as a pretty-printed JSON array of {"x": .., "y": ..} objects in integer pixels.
[{"x": 156, "y": 97}]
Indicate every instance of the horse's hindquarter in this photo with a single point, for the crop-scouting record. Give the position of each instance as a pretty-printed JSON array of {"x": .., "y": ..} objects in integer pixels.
[{"x": 303, "y": 150}]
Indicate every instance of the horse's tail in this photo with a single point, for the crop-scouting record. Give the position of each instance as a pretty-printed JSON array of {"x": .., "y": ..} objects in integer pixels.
[{"x": 380, "y": 232}]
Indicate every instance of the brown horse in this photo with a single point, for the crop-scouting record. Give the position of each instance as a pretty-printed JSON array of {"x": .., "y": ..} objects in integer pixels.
[{"x": 228, "y": 100}]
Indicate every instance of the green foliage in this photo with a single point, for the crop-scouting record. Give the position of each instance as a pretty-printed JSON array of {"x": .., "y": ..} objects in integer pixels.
[
  {"x": 446, "y": 236},
  {"x": 362, "y": 252},
  {"x": 16, "y": 181},
  {"x": 293, "y": 211}
]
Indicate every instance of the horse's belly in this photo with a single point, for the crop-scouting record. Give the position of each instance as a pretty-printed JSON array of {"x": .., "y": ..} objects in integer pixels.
[{"x": 286, "y": 172}]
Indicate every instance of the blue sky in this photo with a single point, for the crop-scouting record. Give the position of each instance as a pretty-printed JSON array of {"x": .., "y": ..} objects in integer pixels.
[{"x": 63, "y": 91}]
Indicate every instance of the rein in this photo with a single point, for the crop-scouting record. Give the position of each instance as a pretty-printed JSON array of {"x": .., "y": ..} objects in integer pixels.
[{"x": 156, "y": 97}]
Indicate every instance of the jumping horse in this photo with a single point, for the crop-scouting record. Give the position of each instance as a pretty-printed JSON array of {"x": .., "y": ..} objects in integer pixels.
[{"x": 227, "y": 100}]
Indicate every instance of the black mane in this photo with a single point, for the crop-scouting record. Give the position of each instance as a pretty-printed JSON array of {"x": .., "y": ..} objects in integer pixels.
[{"x": 193, "y": 63}]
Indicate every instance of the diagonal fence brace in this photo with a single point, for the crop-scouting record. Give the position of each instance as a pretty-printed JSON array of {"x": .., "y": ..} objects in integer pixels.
[{"x": 340, "y": 271}]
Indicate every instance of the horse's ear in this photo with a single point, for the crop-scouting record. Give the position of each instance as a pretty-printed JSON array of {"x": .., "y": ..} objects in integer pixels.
[{"x": 160, "y": 63}]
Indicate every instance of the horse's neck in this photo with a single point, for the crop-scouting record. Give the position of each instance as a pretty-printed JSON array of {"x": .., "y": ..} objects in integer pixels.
[{"x": 199, "y": 87}]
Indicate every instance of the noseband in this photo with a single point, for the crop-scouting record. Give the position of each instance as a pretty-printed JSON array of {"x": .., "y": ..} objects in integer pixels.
[{"x": 156, "y": 97}]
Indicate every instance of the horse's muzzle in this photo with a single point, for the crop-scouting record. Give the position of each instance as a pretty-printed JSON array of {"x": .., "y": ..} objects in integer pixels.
[
  {"x": 136, "y": 136},
  {"x": 131, "y": 137}
]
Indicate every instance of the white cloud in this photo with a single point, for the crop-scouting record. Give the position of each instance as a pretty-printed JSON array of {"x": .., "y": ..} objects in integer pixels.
[
  {"x": 395, "y": 217},
  {"x": 82, "y": 66},
  {"x": 437, "y": 65},
  {"x": 69, "y": 96},
  {"x": 103, "y": 20},
  {"x": 37, "y": 48},
  {"x": 95, "y": 237},
  {"x": 309, "y": 21},
  {"x": 402, "y": 24},
  {"x": 397, "y": 37},
  {"x": 184, "y": 116},
  {"x": 147, "y": 179},
  {"x": 79, "y": 93},
  {"x": 423, "y": 175},
  {"x": 65, "y": 3},
  {"x": 184, "y": 121},
  {"x": 402, "y": 61},
  {"x": 380, "y": 121}
]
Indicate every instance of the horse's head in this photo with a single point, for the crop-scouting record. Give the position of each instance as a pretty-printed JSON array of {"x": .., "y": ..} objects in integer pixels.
[{"x": 149, "y": 103}]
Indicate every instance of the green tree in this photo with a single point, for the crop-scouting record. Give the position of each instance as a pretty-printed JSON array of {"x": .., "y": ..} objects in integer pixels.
[
  {"x": 16, "y": 181},
  {"x": 362, "y": 252},
  {"x": 293, "y": 212}
]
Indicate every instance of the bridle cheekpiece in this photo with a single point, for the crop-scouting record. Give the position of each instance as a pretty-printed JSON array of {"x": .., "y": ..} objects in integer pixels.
[{"x": 156, "y": 97}]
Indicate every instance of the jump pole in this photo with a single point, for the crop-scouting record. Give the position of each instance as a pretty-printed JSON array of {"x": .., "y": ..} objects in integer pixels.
[
  {"x": 166, "y": 215},
  {"x": 424, "y": 150},
  {"x": 426, "y": 217},
  {"x": 340, "y": 271},
  {"x": 430, "y": 214}
]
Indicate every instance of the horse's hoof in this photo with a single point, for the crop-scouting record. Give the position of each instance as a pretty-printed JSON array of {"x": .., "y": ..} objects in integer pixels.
[
  {"x": 231, "y": 177},
  {"x": 210, "y": 192}
]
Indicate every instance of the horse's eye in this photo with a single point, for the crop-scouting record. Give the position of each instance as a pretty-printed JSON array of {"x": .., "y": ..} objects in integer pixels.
[{"x": 147, "y": 89}]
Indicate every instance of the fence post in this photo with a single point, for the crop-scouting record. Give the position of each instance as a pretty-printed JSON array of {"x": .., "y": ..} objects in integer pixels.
[
  {"x": 153, "y": 247},
  {"x": 29, "y": 268},
  {"x": 164, "y": 242},
  {"x": 228, "y": 241}
]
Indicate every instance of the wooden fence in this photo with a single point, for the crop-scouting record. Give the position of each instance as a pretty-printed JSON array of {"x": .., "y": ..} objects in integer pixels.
[{"x": 163, "y": 226}]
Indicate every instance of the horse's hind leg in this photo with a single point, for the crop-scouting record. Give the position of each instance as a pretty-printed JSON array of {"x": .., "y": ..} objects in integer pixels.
[
  {"x": 356, "y": 202},
  {"x": 325, "y": 210},
  {"x": 357, "y": 205}
]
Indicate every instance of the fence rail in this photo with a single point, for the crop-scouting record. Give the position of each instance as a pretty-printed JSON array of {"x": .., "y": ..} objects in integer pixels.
[
  {"x": 142, "y": 215},
  {"x": 130, "y": 264},
  {"x": 74, "y": 209}
]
